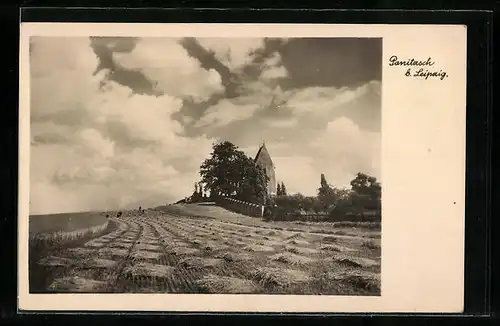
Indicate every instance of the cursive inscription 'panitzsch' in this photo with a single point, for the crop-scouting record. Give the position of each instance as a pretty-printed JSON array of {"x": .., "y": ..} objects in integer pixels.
[
  {"x": 416, "y": 68},
  {"x": 394, "y": 61}
]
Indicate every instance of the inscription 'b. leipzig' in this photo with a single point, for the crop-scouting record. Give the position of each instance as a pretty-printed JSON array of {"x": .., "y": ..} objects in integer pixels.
[{"x": 417, "y": 69}]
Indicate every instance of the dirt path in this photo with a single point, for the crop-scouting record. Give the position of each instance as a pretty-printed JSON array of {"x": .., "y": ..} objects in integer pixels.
[{"x": 162, "y": 253}]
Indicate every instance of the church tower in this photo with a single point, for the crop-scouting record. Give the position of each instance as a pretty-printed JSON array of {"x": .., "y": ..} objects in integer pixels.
[{"x": 263, "y": 159}]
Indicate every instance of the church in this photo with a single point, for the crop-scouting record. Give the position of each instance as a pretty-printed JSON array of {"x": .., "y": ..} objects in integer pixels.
[{"x": 263, "y": 159}]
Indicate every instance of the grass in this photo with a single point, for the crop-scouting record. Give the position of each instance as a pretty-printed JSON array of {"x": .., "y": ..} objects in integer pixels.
[
  {"x": 47, "y": 231},
  {"x": 59, "y": 238},
  {"x": 67, "y": 230},
  {"x": 65, "y": 222}
]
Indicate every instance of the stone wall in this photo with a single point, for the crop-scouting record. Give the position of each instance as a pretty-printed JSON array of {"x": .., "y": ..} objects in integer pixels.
[{"x": 241, "y": 207}]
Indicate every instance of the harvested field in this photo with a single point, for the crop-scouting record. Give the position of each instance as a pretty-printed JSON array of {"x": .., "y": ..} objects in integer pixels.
[
  {"x": 346, "y": 229},
  {"x": 158, "y": 252},
  {"x": 336, "y": 248},
  {"x": 76, "y": 284},
  {"x": 291, "y": 259},
  {"x": 302, "y": 251},
  {"x": 259, "y": 248},
  {"x": 200, "y": 263},
  {"x": 55, "y": 261},
  {"x": 363, "y": 280},
  {"x": 149, "y": 270},
  {"x": 273, "y": 276},
  {"x": 353, "y": 261},
  {"x": 297, "y": 242},
  {"x": 96, "y": 263},
  {"x": 222, "y": 284}
]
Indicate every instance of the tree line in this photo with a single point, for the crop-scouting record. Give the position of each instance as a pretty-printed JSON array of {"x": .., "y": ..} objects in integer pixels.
[
  {"x": 361, "y": 202},
  {"x": 231, "y": 173}
]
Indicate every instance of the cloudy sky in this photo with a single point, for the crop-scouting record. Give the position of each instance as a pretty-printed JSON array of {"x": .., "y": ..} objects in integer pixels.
[{"x": 122, "y": 122}]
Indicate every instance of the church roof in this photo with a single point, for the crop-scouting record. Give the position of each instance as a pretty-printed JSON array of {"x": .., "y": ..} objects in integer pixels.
[{"x": 263, "y": 155}]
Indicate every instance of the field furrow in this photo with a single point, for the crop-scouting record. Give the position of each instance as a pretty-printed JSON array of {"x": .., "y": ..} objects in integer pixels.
[{"x": 157, "y": 252}]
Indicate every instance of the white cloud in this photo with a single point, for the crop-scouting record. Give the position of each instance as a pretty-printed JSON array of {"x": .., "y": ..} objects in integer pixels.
[
  {"x": 95, "y": 141},
  {"x": 339, "y": 151},
  {"x": 284, "y": 123},
  {"x": 56, "y": 65},
  {"x": 255, "y": 93},
  {"x": 225, "y": 112},
  {"x": 345, "y": 150},
  {"x": 167, "y": 63},
  {"x": 47, "y": 198},
  {"x": 311, "y": 133},
  {"x": 258, "y": 96},
  {"x": 233, "y": 53},
  {"x": 298, "y": 174},
  {"x": 323, "y": 100},
  {"x": 145, "y": 117},
  {"x": 96, "y": 166}
]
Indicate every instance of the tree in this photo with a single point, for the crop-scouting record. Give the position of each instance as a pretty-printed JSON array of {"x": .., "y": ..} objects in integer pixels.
[
  {"x": 283, "y": 189},
  {"x": 251, "y": 181},
  {"x": 229, "y": 172},
  {"x": 196, "y": 196},
  {"x": 365, "y": 184},
  {"x": 367, "y": 192},
  {"x": 217, "y": 171},
  {"x": 278, "y": 190},
  {"x": 326, "y": 193}
]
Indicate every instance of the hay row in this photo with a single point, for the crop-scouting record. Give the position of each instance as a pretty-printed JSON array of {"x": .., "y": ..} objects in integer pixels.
[
  {"x": 227, "y": 285},
  {"x": 76, "y": 284},
  {"x": 291, "y": 259},
  {"x": 89, "y": 263},
  {"x": 271, "y": 277},
  {"x": 356, "y": 262},
  {"x": 362, "y": 280}
]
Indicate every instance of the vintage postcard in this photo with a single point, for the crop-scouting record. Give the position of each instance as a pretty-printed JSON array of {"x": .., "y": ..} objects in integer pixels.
[{"x": 242, "y": 167}]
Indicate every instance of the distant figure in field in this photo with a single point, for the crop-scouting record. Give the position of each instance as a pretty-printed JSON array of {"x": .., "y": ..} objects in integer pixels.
[
  {"x": 119, "y": 214},
  {"x": 107, "y": 215}
]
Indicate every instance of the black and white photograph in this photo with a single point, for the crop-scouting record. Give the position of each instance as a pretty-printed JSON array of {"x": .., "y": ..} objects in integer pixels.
[
  {"x": 205, "y": 165},
  {"x": 281, "y": 168}
]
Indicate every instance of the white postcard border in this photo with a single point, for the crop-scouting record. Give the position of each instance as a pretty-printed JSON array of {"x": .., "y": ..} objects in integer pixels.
[{"x": 423, "y": 175}]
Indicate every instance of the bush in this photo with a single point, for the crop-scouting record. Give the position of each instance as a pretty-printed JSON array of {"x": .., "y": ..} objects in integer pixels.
[{"x": 300, "y": 208}]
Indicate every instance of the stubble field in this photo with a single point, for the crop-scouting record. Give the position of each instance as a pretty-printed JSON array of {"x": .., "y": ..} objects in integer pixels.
[{"x": 160, "y": 252}]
